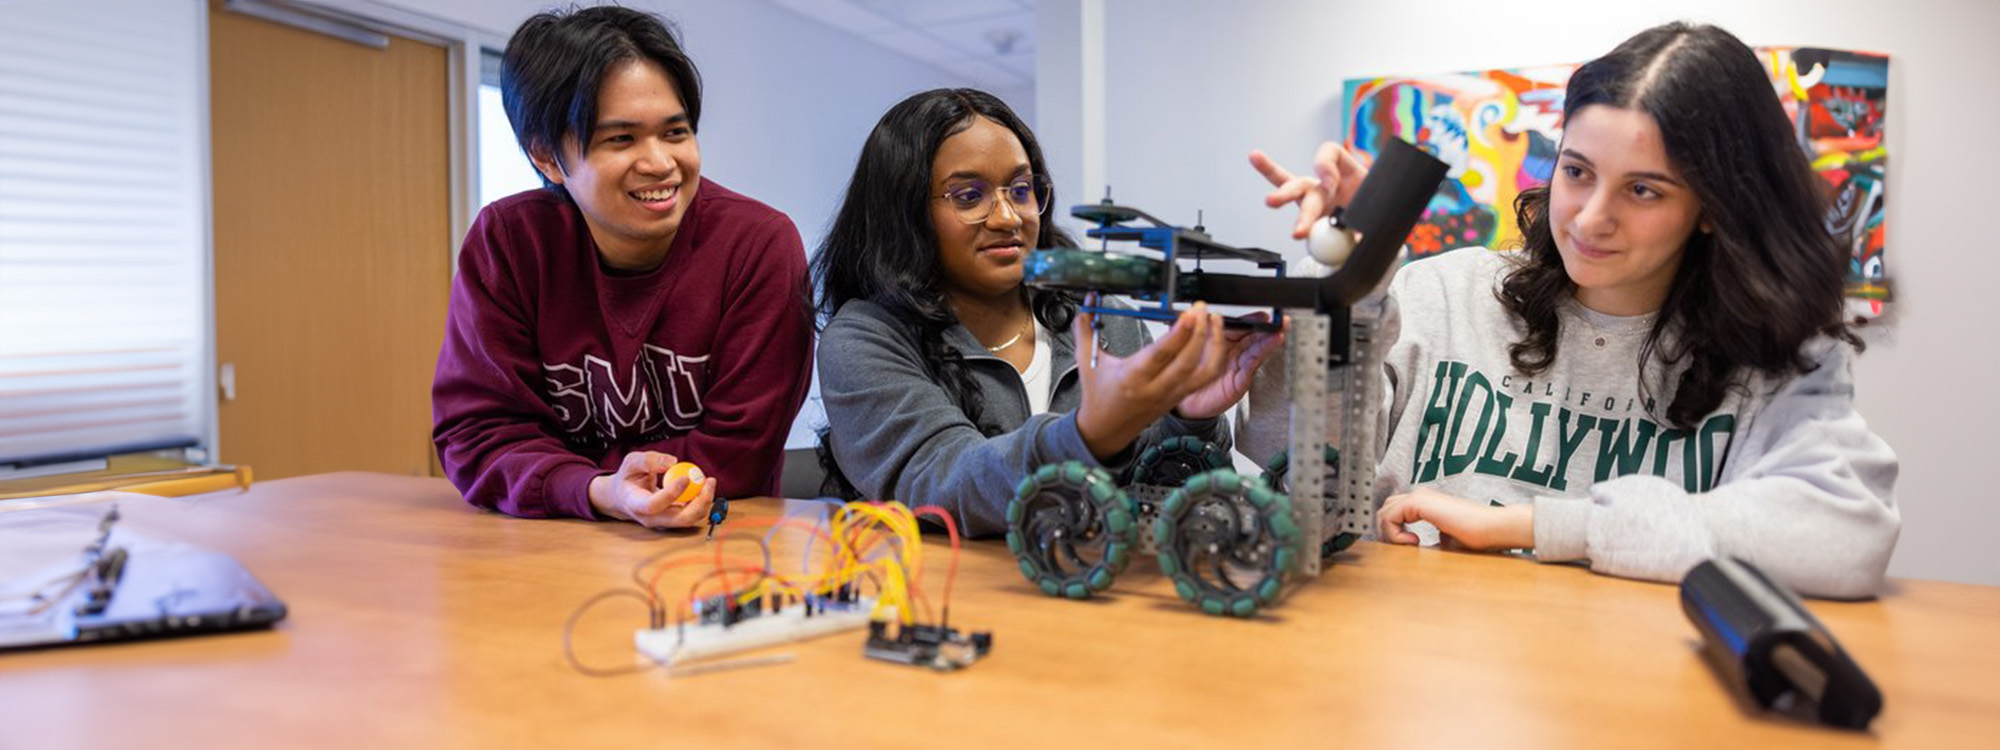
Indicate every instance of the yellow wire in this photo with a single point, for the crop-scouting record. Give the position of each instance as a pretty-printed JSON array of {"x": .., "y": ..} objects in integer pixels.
[
  {"x": 854, "y": 520},
  {"x": 855, "y": 555}
]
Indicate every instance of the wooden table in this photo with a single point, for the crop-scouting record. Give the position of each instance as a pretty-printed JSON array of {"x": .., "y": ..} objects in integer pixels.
[{"x": 418, "y": 621}]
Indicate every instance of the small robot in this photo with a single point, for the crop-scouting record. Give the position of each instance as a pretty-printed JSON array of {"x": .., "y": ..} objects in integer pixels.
[{"x": 1232, "y": 544}]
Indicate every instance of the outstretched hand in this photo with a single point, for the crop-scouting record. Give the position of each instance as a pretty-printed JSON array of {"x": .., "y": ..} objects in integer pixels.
[
  {"x": 1247, "y": 351},
  {"x": 1339, "y": 175},
  {"x": 1123, "y": 395}
]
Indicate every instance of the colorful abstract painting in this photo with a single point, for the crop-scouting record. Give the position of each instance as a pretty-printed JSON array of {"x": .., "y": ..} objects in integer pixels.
[{"x": 1498, "y": 130}]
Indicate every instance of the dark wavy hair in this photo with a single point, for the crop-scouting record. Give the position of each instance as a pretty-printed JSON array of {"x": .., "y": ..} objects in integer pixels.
[
  {"x": 556, "y": 61},
  {"x": 883, "y": 248},
  {"x": 1769, "y": 276}
]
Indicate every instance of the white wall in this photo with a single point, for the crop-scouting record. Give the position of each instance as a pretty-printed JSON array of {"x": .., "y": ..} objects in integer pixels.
[
  {"x": 786, "y": 104},
  {"x": 1191, "y": 86},
  {"x": 1069, "y": 94}
]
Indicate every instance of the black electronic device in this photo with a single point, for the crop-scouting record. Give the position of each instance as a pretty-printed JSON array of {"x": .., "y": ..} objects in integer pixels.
[
  {"x": 153, "y": 592},
  {"x": 935, "y": 646},
  {"x": 1762, "y": 638}
]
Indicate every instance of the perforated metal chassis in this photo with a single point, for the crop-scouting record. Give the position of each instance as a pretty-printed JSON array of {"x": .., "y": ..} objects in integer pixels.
[
  {"x": 1344, "y": 399},
  {"x": 1359, "y": 385},
  {"x": 1147, "y": 500},
  {"x": 1327, "y": 399}
]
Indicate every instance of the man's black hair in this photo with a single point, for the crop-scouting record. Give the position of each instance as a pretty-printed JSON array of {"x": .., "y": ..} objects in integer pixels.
[{"x": 556, "y": 61}]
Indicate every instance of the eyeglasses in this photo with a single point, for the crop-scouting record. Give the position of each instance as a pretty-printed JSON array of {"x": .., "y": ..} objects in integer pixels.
[{"x": 973, "y": 201}]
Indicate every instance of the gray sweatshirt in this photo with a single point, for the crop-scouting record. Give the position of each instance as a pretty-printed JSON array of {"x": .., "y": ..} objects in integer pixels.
[
  {"x": 898, "y": 435},
  {"x": 1783, "y": 473}
]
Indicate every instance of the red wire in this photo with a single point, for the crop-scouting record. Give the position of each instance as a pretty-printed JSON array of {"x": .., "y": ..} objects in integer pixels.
[
  {"x": 950, "y": 527},
  {"x": 767, "y": 522},
  {"x": 695, "y": 590},
  {"x": 854, "y": 544},
  {"x": 653, "y": 584},
  {"x": 719, "y": 569}
]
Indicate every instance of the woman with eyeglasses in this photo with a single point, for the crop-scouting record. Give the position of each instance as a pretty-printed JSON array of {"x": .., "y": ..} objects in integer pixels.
[{"x": 945, "y": 379}]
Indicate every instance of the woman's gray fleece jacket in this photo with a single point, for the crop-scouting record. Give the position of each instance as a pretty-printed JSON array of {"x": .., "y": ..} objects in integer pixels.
[{"x": 898, "y": 435}]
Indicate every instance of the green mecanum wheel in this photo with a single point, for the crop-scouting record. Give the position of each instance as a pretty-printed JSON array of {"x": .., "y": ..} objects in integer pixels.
[
  {"x": 1071, "y": 529},
  {"x": 1173, "y": 462},
  {"x": 1228, "y": 542},
  {"x": 1280, "y": 466}
]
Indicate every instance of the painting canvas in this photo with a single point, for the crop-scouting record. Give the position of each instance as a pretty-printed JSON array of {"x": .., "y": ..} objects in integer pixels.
[{"x": 1498, "y": 130}]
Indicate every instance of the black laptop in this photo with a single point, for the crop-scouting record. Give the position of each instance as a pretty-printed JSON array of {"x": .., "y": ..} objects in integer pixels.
[{"x": 149, "y": 592}]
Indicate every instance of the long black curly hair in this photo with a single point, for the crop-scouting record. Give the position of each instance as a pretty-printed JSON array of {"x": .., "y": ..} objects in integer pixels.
[
  {"x": 883, "y": 248},
  {"x": 1764, "y": 279}
]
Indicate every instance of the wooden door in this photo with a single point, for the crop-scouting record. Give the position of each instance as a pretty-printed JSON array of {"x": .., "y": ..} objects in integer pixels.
[{"x": 332, "y": 246}]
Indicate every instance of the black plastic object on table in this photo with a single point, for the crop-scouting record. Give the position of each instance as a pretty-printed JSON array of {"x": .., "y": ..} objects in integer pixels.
[{"x": 1760, "y": 637}]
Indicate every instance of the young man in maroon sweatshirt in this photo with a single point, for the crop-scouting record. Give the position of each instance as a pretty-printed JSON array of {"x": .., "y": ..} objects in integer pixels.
[{"x": 630, "y": 315}]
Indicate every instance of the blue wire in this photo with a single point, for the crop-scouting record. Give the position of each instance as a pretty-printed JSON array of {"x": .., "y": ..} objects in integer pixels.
[{"x": 805, "y": 561}]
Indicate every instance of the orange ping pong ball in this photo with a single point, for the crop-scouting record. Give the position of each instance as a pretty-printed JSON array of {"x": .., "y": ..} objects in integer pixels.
[{"x": 694, "y": 477}]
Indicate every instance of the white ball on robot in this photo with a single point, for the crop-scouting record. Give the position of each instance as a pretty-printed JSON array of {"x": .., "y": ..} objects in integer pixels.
[{"x": 1328, "y": 243}]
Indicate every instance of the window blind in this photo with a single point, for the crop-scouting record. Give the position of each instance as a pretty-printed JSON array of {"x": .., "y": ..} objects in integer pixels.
[{"x": 104, "y": 322}]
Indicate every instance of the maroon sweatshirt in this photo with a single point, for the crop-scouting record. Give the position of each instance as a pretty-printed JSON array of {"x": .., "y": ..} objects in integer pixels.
[{"x": 553, "y": 370}]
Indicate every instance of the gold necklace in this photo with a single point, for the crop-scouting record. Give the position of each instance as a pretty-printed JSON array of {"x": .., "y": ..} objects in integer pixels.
[{"x": 1012, "y": 341}]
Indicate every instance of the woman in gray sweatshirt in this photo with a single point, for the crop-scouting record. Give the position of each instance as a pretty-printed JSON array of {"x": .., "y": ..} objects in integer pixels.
[
  {"x": 947, "y": 381},
  {"x": 1662, "y": 374}
]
